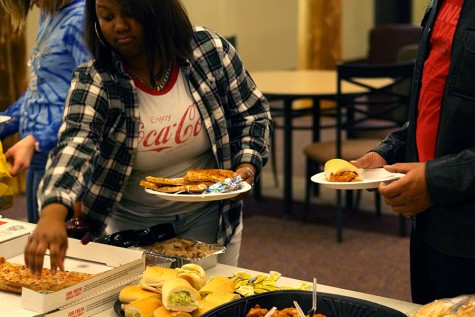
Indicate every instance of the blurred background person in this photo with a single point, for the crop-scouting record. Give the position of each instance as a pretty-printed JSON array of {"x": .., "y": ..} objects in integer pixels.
[{"x": 36, "y": 115}]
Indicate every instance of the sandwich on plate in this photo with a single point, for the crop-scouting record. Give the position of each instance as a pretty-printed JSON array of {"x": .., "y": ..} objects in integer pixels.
[{"x": 339, "y": 170}]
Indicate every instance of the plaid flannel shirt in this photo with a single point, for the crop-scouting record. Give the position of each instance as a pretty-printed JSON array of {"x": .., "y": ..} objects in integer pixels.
[{"x": 100, "y": 131}]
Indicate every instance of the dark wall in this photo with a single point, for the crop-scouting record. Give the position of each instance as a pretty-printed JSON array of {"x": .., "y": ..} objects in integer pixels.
[{"x": 392, "y": 11}]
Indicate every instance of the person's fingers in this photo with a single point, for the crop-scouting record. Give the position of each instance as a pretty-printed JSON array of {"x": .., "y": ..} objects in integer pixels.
[
  {"x": 34, "y": 256},
  {"x": 57, "y": 255},
  {"x": 402, "y": 168},
  {"x": 389, "y": 190},
  {"x": 247, "y": 174},
  {"x": 15, "y": 169},
  {"x": 360, "y": 163}
]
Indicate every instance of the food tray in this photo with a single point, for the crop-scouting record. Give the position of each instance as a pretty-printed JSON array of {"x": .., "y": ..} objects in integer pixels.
[
  {"x": 206, "y": 262},
  {"x": 153, "y": 259},
  {"x": 328, "y": 304}
]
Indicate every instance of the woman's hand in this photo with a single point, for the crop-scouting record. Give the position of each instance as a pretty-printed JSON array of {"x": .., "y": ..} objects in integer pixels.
[
  {"x": 247, "y": 172},
  {"x": 20, "y": 154},
  {"x": 49, "y": 234}
]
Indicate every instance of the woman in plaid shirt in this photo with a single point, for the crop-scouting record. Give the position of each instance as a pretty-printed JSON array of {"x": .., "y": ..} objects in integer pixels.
[{"x": 160, "y": 97}]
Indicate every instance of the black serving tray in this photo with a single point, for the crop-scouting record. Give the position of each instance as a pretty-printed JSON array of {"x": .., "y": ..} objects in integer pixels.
[{"x": 330, "y": 305}]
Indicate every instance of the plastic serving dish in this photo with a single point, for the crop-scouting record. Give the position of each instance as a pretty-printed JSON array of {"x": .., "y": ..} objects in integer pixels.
[{"x": 328, "y": 304}]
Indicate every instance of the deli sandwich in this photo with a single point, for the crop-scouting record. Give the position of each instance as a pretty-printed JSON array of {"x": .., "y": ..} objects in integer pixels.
[
  {"x": 154, "y": 277},
  {"x": 142, "y": 307},
  {"x": 179, "y": 295},
  {"x": 132, "y": 293},
  {"x": 194, "y": 274}
]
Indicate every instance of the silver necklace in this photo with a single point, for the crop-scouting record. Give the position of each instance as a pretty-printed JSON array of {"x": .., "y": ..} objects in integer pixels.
[{"x": 162, "y": 84}]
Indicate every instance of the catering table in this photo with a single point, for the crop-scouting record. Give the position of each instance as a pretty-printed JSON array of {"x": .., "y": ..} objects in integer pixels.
[
  {"x": 10, "y": 304},
  {"x": 289, "y": 86}
]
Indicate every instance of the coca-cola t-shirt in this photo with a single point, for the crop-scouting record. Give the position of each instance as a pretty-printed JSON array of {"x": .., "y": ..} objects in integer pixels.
[{"x": 172, "y": 140}]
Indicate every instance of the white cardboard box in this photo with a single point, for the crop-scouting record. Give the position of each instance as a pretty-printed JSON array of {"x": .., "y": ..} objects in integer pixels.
[
  {"x": 10, "y": 229},
  {"x": 115, "y": 267}
]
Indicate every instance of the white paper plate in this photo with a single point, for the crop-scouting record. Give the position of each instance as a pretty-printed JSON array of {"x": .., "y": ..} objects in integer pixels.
[
  {"x": 370, "y": 178},
  {"x": 200, "y": 197},
  {"x": 4, "y": 119}
]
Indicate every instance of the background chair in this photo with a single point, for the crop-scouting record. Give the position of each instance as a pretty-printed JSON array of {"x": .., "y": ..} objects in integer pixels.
[
  {"x": 362, "y": 120},
  {"x": 387, "y": 40},
  {"x": 387, "y": 44}
]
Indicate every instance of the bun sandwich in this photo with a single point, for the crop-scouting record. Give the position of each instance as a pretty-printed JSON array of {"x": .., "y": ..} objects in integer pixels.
[
  {"x": 143, "y": 307},
  {"x": 214, "y": 300},
  {"x": 179, "y": 295},
  {"x": 154, "y": 277},
  {"x": 339, "y": 170},
  {"x": 163, "y": 312},
  {"x": 193, "y": 273},
  {"x": 217, "y": 284},
  {"x": 132, "y": 293}
]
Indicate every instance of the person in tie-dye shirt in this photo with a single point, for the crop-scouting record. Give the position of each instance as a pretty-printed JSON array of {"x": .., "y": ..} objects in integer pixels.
[{"x": 36, "y": 115}]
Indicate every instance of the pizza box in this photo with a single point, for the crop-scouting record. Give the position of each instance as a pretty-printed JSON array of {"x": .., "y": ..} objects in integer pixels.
[
  {"x": 88, "y": 307},
  {"x": 114, "y": 267},
  {"x": 10, "y": 229}
]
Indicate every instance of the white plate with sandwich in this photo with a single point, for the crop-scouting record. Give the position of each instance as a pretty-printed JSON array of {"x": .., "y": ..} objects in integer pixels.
[
  {"x": 186, "y": 197},
  {"x": 340, "y": 174}
]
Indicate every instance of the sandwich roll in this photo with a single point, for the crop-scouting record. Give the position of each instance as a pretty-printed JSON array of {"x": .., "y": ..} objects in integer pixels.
[
  {"x": 132, "y": 293},
  {"x": 217, "y": 284},
  {"x": 154, "y": 276},
  {"x": 163, "y": 312},
  {"x": 194, "y": 274},
  {"x": 142, "y": 308},
  {"x": 212, "y": 301},
  {"x": 179, "y": 295},
  {"x": 204, "y": 307},
  {"x": 338, "y": 170},
  {"x": 467, "y": 308},
  {"x": 221, "y": 298}
]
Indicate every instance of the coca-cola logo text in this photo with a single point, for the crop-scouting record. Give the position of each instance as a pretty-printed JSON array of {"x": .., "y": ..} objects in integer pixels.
[{"x": 162, "y": 138}]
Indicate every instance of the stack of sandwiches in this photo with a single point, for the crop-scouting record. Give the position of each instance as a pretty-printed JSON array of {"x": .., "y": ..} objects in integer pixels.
[{"x": 180, "y": 292}]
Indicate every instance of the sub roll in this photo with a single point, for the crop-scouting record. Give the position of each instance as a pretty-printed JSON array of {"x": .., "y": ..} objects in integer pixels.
[
  {"x": 338, "y": 170},
  {"x": 217, "y": 284},
  {"x": 132, "y": 293},
  {"x": 142, "y": 308},
  {"x": 163, "y": 312},
  {"x": 154, "y": 276},
  {"x": 193, "y": 273},
  {"x": 212, "y": 301},
  {"x": 179, "y": 295}
]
